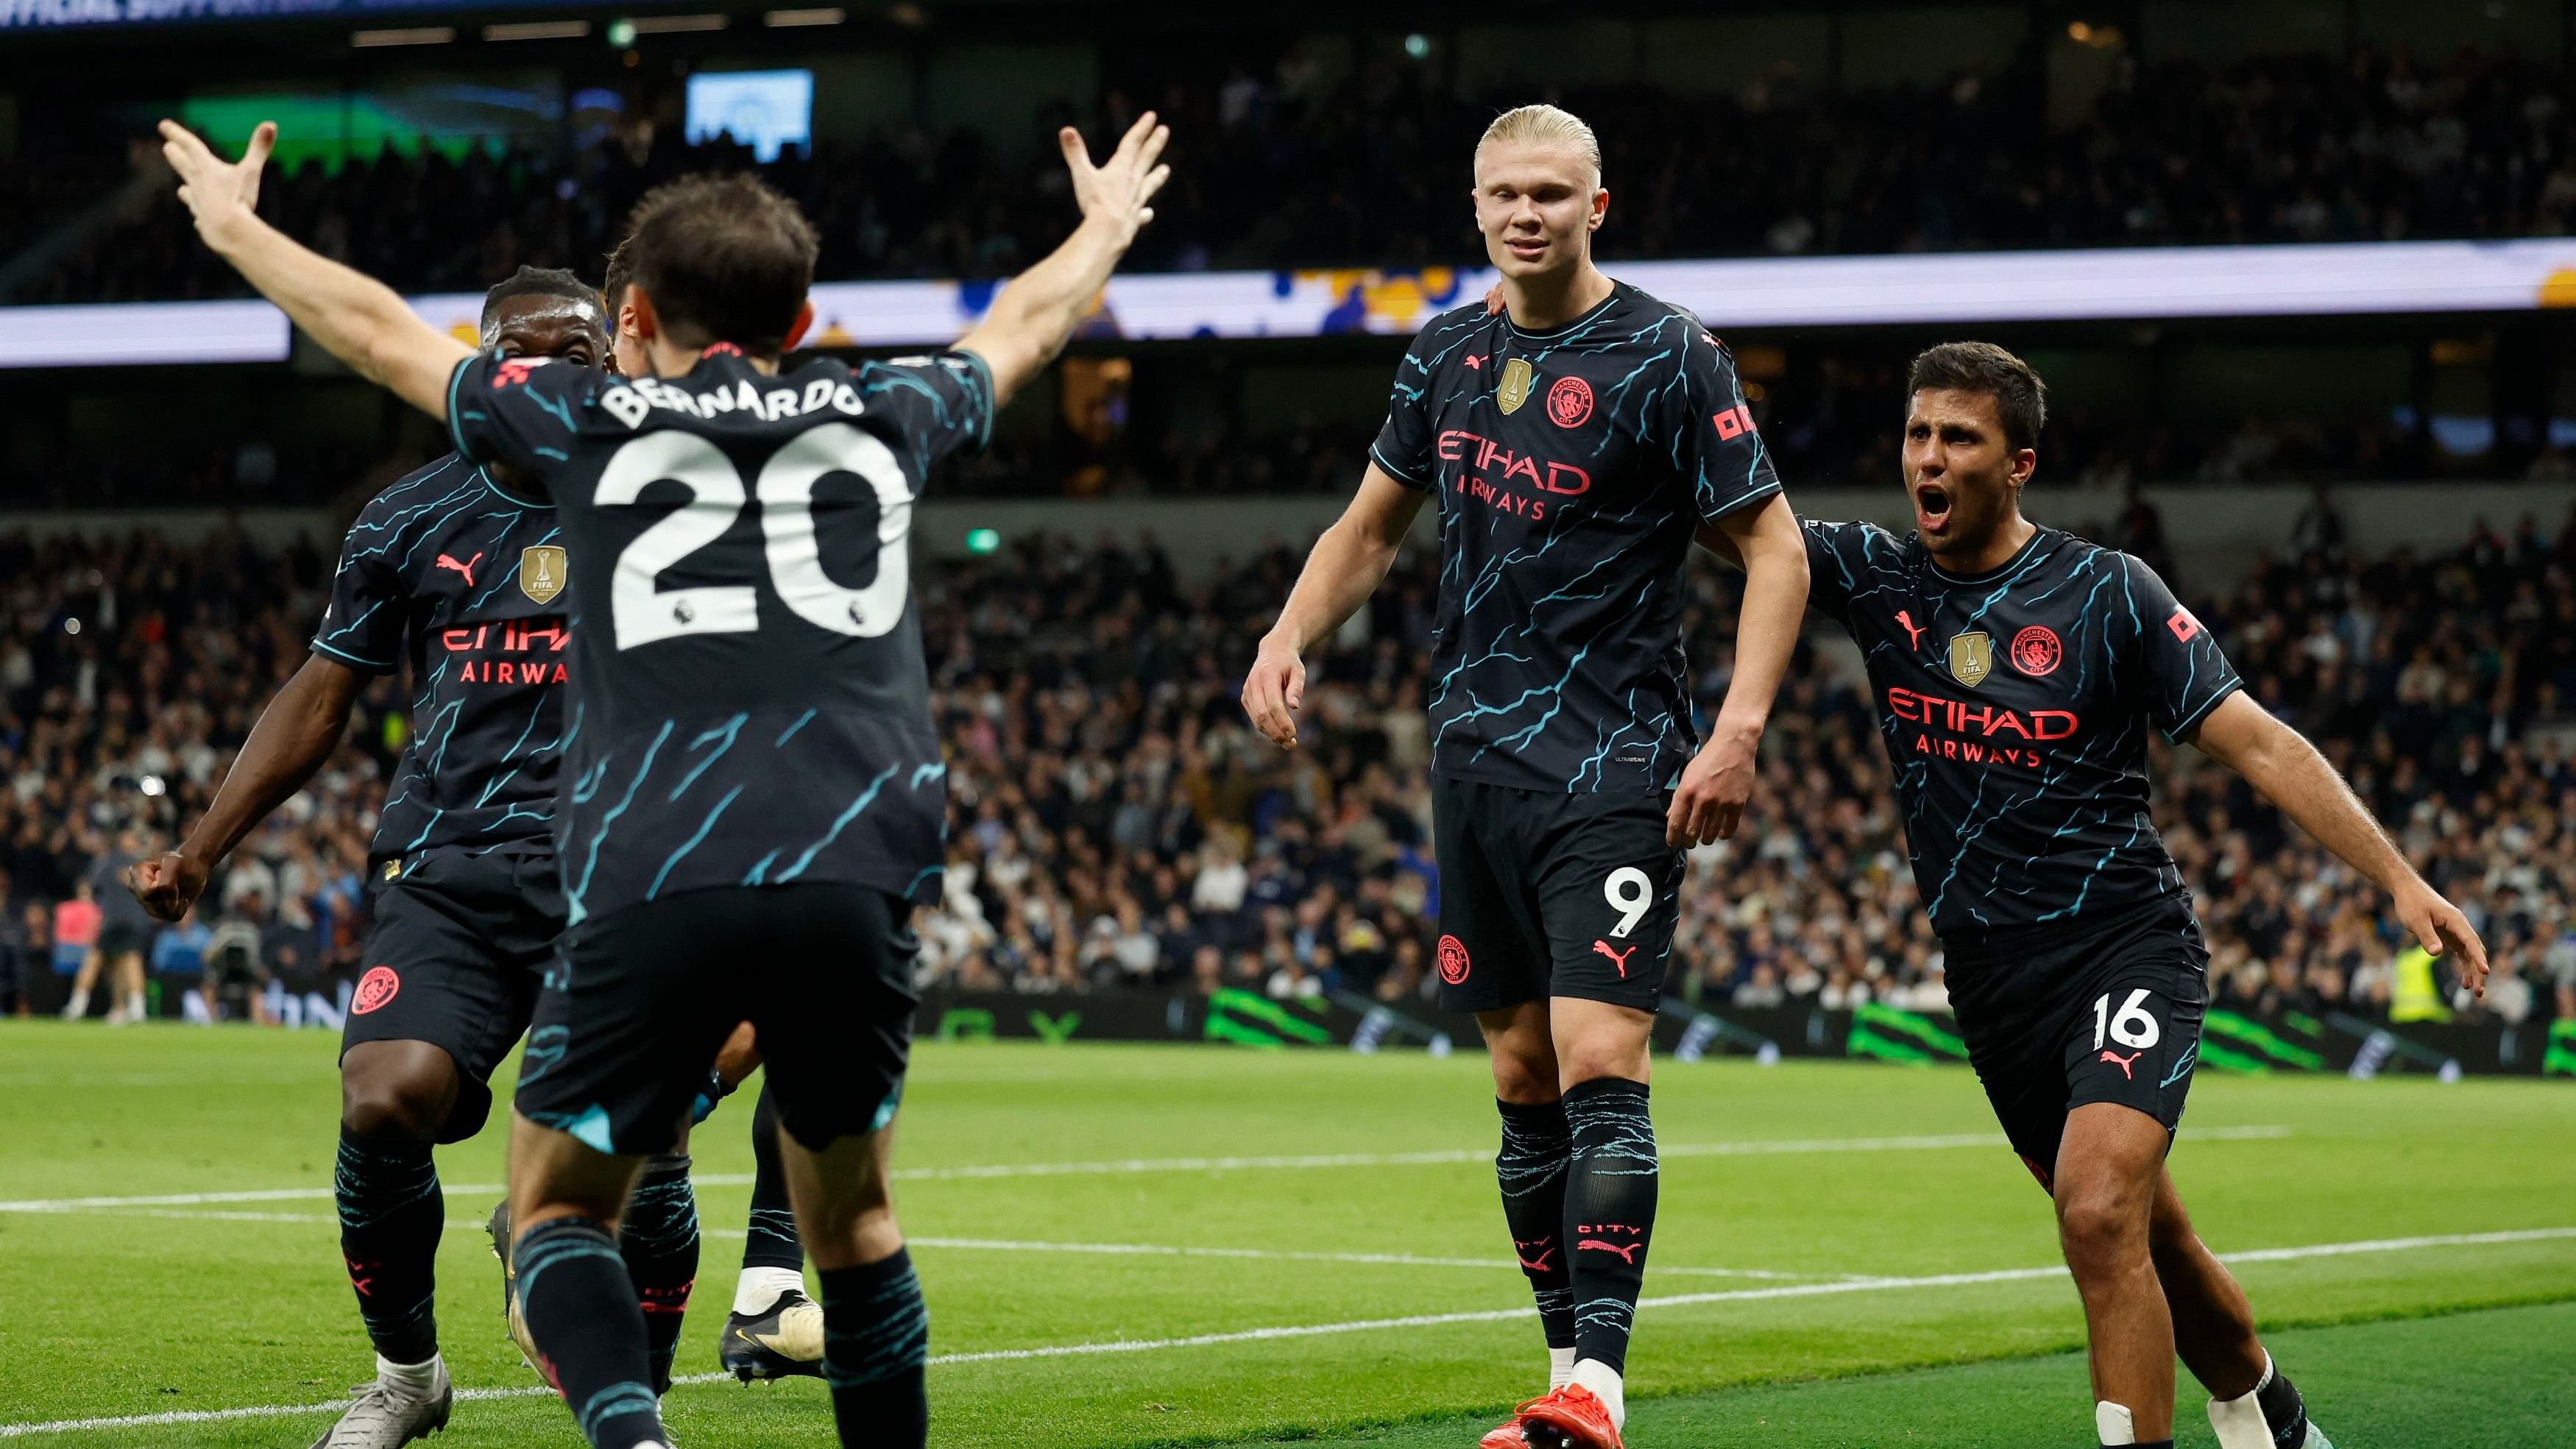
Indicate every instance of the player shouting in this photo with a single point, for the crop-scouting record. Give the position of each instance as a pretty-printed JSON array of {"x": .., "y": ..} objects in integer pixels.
[
  {"x": 754, "y": 793},
  {"x": 461, "y": 573},
  {"x": 1575, "y": 446},
  {"x": 2017, "y": 670}
]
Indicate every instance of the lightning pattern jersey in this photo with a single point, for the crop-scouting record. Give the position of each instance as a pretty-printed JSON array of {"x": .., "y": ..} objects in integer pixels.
[
  {"x": 1572, "y": 469},
  {"x": 752, "y": 707},
  {"x": 2015, "y": 707},
  {"x": 463, "y": 577}
]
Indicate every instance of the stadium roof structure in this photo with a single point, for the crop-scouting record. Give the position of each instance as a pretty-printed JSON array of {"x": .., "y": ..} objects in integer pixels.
[{"x": 1973, "y": 287}]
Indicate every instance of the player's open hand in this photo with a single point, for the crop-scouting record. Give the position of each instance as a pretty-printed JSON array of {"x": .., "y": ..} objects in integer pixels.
[
  {"x": 214, "y": 190},
  {"x": 1709, "y": 801},
  {"x": 2441, "y": 929},
  {"x": 1117, "y": 190},
  {"x": 1274, "y": 691},
  {"x": 167, "y": 887}
]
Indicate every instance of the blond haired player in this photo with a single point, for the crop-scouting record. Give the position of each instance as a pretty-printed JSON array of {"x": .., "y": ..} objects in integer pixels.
[{"x": 1575, "y": 442}]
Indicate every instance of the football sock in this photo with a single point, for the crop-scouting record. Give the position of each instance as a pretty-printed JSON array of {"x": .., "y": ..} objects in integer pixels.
[
  {"x": 1607, "y": 1385},
  {"x": 1609, "y": 1213},
  {"x": 659, "y": 1240},
  {"x": 876, "y": 1339},
  {"x": 759, "y": 1289},
  {"x": 2283, "y": 1410},
  {"x": 1560, "y": 1367},
  {"x": 1532, "y": 1170},
  {"x": 416, "y": 1377},
  {"x": 391, "y": 1214},
  {"x": 589, "y": 1331},
  {"x": 770, "y": 1241}
]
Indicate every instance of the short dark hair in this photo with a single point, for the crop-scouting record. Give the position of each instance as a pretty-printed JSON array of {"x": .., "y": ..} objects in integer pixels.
[
  {"x": 536, "y": 282},
  {"x": 621, "y": 272},
  {"x": 724, "y": 258},
  {"x": 2021, "y": 399}
]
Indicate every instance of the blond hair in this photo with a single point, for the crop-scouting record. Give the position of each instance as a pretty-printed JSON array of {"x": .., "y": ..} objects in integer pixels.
[{"x": 1546, "y": 126}]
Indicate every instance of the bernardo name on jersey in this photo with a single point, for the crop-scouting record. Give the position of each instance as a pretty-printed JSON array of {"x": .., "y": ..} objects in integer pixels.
[
  {"x": 754, "y": 709},
  {"x": 2015, "y": 706},
  {"x": 1573, "y": 468}
]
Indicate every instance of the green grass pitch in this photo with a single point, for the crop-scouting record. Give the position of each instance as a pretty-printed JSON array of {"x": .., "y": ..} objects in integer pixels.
[{"x": 1150, "y": 1245}]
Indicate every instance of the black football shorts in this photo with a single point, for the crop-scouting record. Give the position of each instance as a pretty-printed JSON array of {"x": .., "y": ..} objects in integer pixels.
[
  {"x": 637, "y": 1003},
  {"x": 454, "y": 959},
  {"x": 1552, "y": 895},
  {"x": 2105, "y": 1013}
]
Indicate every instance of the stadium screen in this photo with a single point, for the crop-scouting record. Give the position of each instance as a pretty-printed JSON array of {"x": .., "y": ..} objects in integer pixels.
[{"x": 763, "y": 109}]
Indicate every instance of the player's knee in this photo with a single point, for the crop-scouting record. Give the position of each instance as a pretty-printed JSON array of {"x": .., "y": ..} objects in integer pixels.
[
  {"x": 2101, "y": 1229},
  {"x": 1521, "y": 1080},
  {"x": 396, "y": 1100}
]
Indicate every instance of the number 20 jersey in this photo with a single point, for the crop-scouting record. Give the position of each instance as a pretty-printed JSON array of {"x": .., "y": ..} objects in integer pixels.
[{"x": 750, "y": 704}]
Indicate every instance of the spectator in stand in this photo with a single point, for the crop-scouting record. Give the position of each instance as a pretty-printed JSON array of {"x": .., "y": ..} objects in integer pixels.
[
  {"x": 75, "y": 938},
  {"x": 179, "y": 965}
]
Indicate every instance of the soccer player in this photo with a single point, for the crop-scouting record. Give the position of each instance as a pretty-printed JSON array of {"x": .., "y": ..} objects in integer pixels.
[
  {"x": 2017, "y": 671},
  {"x": 459, "y": 571},
  {"x": 774, "y": 1330},
  {"x": 753, "y": 793},
  {"x": 1575, "y": 445}
]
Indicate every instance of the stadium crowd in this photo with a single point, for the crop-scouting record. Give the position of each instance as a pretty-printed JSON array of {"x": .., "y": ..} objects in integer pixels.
[
  {"x": 1299, "y": 164},
  {"x": 1115, "y": 823}
]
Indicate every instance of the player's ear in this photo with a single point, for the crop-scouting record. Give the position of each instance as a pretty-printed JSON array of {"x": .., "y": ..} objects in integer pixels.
[
  {"x": 797, "y": 329},
  {"x": 2025, "y": 463},
  {"x": 1600, "y": 208},
  {"x": 639, "y": 310}
]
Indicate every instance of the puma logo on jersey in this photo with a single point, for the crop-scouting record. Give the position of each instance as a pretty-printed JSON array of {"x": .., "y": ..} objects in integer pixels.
[
  {"x": 1618, "y": 957},
  {"x": 1913, "y": 635},
  {"x": 2123, "y": 1063},
  {"x": 466, "y": 568}
]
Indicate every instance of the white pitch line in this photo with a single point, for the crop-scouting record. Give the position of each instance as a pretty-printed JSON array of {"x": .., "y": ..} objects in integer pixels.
[
  {"x": 1013, "y": 1245},
  {"x": 1756, "y": 1148},
  {"x": 1369, "y": 1325}
]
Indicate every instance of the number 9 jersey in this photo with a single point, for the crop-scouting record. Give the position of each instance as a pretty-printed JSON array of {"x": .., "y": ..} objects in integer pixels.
[{"x": 750, "y": 701}]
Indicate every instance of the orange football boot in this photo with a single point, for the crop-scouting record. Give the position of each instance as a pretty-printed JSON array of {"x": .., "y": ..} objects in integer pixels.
[{"x": 1571, "y": 1418}]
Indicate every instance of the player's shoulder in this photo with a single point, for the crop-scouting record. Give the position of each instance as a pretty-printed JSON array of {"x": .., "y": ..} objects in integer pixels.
[
  {"x": 415, "y": 495},
  {"x": 1446, "y": 330},
  {"x": 2073, "y": 553},
  {"x": 1859, "y": 545}
]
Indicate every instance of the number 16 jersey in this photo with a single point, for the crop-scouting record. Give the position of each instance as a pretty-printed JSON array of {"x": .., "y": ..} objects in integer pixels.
[{"x": 750, "y": 705}]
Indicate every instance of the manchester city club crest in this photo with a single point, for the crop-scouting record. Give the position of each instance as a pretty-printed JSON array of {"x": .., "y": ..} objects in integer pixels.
[
  {"x": 541, "y": 572},
  {"x": 1972, "y": 657},
  {"x": 1518, "y": 376}
]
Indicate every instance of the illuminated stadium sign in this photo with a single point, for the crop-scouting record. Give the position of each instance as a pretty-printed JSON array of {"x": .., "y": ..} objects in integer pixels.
[
  {"x": 97, "y": 14},
  {"x": 1965, "y": 288}
]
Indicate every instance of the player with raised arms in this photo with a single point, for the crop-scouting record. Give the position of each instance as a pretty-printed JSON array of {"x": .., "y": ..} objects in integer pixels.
[
  {"x": 754, "y": 789},
  {"x": 1575, "y": 446},
  {"x": 2017, "y": 671},
  {"x": 458, "y": 570}
]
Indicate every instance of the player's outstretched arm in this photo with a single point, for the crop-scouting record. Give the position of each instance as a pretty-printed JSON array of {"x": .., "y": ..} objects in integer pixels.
[
  {"x": 1349, "y": 561},
  {"x": 2279, "y": 761},
  {"x": 1766, "y": 542},
  {"x": 1033, "y": 318},
  {"x": 295, "y": 734},
  {"x": 356, "y": 318}
]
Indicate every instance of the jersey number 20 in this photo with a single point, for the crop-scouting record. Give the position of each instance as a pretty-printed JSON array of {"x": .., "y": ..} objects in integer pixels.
[{"x": 645, "y": 612}]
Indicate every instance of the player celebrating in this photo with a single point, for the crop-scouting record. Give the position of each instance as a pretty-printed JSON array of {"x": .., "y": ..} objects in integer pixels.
[
  {"x": 1575, "y": 445},
  {"x": 2017, "y": 670},
  {"x": 755, "y": 787},
  {"x": 460, "y": 572},
  {"x": 774, "y": 1330}
]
